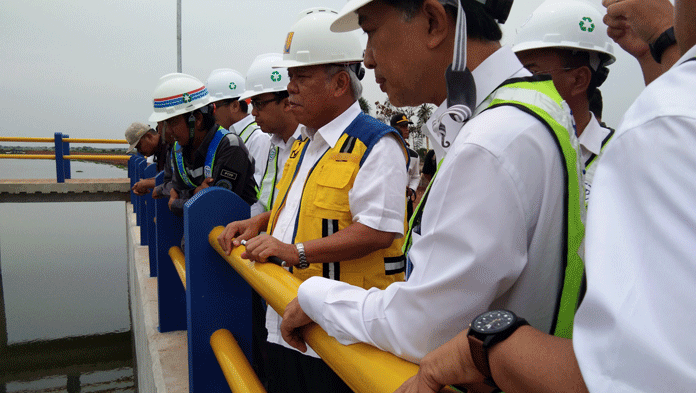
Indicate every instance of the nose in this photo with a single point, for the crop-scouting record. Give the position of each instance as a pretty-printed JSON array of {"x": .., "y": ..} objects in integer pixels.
[
  {"x": 254, "y": 111},
  {"x": 369, "y": 60},
  {"x": 292, "y": 87}
]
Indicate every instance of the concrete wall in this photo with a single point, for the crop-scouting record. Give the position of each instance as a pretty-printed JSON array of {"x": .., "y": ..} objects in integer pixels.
[{"x": 161, "y": 358}]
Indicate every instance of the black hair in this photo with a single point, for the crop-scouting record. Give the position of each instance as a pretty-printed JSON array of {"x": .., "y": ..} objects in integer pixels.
[
  {"x": 479, "y": 22},
  {"x": 208, "y": 117},
  {"x": 281, "y": 95},
  {"x": 243, "y": 106}
]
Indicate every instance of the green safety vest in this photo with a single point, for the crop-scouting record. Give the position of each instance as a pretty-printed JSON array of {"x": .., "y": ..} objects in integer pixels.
[
  {"x": 248, "y": 131},
  {"x": 269, "y": 180},
  {"x": 539, "y": 98}
]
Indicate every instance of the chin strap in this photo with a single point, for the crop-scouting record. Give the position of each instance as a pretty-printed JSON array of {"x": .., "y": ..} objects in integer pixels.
[{"x": 461, "y": 88}]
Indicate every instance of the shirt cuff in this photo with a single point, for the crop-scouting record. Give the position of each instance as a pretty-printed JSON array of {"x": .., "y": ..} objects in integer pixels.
[{"x": 312, "y": 295}]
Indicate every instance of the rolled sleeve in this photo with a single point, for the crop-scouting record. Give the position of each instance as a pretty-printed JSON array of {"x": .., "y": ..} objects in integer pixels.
[{"x": 378, "y": 196}]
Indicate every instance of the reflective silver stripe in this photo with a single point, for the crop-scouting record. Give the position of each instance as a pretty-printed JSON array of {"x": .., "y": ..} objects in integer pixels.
[{"x": 196, "y": 172}]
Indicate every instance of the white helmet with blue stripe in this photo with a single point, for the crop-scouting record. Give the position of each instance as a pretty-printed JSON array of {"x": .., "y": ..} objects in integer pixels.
[{"x": 177, "y": 94}]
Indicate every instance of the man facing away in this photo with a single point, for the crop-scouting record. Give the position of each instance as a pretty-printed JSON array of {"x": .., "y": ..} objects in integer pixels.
[{"x": 339, "y": 212}]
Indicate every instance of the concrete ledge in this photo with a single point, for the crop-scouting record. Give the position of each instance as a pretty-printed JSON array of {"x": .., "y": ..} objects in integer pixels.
[
  {"x": 75, "y": 190},
  {"x": 161, "y": 358}
]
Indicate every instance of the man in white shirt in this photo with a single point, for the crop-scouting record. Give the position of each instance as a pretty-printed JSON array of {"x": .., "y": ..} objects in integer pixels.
[
  {"x": 340, "y": 207},
  {"x": 401, "y": 123},
  {"x": 632, "y": 332},
  {"x": 577, "y": 59},
  {"x": 501, "y": 225}
]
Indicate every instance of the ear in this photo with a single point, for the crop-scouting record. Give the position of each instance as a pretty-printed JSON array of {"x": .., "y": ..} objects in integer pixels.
[
  {"x": 199, "y": 120},
  {"x": 438, "y": 22},
  {"x": 234, "y": 106},
  {"x": 582, "y": 77},
  {"x": 340, "y": 83}
]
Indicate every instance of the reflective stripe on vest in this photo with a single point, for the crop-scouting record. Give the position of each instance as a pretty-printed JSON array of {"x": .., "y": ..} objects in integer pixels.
[
  {"x": 209, "y": 158},
  {"x": 248, "y": 131},
  {"x": 269, "y": 180},
  {"x": 538, "y": 97}
]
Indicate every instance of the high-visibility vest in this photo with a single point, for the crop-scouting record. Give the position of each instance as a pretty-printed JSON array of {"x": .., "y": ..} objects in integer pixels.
[
  {"x": 269, "y": 180},
  {"x": 538, "y": 97},
  {"x": 178, "y": 158},
  {"x": 325, "y": 208},
  {"x": 248, "y": 131}
]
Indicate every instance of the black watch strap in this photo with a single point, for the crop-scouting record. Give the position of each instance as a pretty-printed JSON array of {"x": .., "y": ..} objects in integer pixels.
[{"x": 664, "y": 41}]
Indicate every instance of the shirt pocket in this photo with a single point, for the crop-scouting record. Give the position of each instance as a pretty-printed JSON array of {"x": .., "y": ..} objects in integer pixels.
[{"x": 333, "y": 185}]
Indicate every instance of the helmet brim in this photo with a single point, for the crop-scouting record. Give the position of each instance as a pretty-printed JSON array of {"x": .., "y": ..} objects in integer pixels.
[{"x": 347, "y": 19}]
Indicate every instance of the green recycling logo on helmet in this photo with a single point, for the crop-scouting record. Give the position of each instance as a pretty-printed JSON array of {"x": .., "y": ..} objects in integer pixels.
[
  {"x": 233, "y": 85},
  {"x": 586, "y": 28},
  {"x": 186, "y": 97},
  {"x": 275, "y": 76}
]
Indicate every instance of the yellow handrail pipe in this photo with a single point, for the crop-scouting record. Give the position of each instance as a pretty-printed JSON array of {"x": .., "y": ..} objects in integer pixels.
[
  {"x": 235, "y": 366},
  {"x": 51, "y": 140},
  {"x": 70, "y": 157},
  {"x": 179, "y": 261},
  {"x": 363, "y": 367}
]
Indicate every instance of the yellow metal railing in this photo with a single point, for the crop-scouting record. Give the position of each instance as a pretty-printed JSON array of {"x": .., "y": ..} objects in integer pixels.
[
  {"x": 179, "y": 261},
  {"x": 363, "y": 367},
  {"x": 69, "y": 140},
  {"x": 235, "y": 366},
  {"x": 70, "y": 157}
]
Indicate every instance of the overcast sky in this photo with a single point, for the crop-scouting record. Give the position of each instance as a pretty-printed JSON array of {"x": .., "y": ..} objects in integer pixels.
[{"x": 89, "y": 68}]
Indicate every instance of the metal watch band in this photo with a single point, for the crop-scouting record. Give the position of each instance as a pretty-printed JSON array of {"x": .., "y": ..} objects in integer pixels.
[
  {"x": 664, "y": 41},
  {"x": 303, "y": 258}
]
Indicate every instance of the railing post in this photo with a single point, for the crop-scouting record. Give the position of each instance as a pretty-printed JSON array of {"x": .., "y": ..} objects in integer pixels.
[
  {"x": 140, "y": 209},
  {"x": 151, "y": 231},
  {"x": 60, "y": 166},
  {"x": 216, "y": 296},
  {"x": 171, "y": 305},
  {"x": 148, "y": 172},
  {"x": 66, "y": 163}
]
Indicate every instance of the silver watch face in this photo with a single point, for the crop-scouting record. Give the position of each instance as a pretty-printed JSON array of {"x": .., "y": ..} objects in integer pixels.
[{"x": 493, "y": 321}]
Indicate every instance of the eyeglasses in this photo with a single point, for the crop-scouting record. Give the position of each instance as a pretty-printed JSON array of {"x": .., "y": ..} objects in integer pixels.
[
  {"x": 259, "y": 105},
  {"x": 551, "y": 71}
]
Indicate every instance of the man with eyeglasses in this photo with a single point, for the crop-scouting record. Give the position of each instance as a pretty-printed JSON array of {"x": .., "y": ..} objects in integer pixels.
[
  {"x": 340, "y": 208},
  {"x": 225, "y": 87},
  {"x": 576, "y": 59}
]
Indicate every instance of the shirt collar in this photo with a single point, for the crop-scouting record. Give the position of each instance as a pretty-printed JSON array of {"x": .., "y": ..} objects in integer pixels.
[
  {"x": 593, "y": 135},
  {"x": 488, "y": 76},
  {"x": 239, "y": 126},
  {"x": 333, "y": 129},
  {"x": 690, "y": 54},
  {"x": 278, "y": 141}
]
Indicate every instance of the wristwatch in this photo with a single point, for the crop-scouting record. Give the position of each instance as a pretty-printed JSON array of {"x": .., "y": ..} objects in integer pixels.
[
  {"x": 664, "y": 41},
  {"x": 485, "y": 331},
  {"x": 303, "y": 258}
]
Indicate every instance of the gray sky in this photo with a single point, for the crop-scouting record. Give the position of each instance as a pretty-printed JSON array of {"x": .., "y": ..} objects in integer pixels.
[{"x": 88, "y": 68}]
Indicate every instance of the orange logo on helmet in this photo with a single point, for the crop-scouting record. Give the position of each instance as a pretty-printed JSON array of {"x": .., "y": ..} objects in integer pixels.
[{"x": 288, "y": 42}]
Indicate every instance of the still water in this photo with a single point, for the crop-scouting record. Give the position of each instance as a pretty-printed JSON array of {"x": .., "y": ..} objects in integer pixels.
[{"x": 64, "y": 272}]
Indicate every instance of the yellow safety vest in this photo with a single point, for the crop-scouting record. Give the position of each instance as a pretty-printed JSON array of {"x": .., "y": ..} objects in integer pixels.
[{"x": 325, "y": 208}]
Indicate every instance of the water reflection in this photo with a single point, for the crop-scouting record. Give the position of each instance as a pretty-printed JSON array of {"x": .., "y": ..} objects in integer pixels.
[{"x": 63, "y": 271}]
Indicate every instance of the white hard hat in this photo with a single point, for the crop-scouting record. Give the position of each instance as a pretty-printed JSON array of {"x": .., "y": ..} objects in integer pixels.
[
  {"x": 311, "y": 42},
  {"x": 177, "y": 94},
  {"x": 571, "y": 24},
  {"x": 263, "y": 78},
  {"x": 224, "y": 83},
  {"x": 347, "y": 19}
]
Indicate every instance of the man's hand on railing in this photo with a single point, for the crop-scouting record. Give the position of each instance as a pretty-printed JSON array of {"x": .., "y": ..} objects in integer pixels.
[
  {"x": 143, "y": 186},
  {"x": 264, "y": 246},
  {"x": 237, "y": 231},
  {"x": 206, "y": 183},
  {"x": 294, "y": 319},
  {"x": 173, "y": 196}
]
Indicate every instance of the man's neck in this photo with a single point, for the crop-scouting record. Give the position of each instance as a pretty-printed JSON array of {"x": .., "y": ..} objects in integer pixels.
[
  {"x": 581, "y": 114},
  {"x": 288, "y": 131}
]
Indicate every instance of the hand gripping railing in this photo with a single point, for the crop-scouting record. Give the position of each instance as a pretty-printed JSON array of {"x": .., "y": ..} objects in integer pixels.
[{"x": 363, "y": 367}]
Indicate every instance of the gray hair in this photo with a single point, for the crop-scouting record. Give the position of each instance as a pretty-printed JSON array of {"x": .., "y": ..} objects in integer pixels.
[{"x": 355, "y": 85}]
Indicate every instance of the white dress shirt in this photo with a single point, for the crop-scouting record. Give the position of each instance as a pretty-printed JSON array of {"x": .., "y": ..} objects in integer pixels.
[
  {"x": 591, "y": 144},
  {"x": 634, "y": 329},
  {"x": 258, "y": 144},
  {"x": 491, "y": 236},
  {"x": 377, "y": 199},
  {"x": 284, "y": 148}
]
